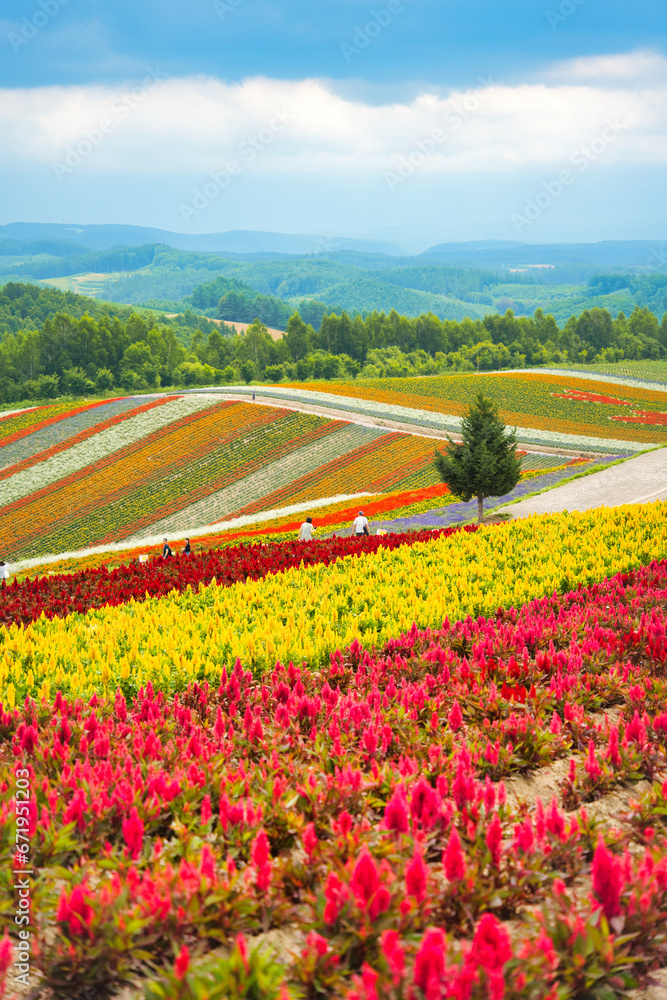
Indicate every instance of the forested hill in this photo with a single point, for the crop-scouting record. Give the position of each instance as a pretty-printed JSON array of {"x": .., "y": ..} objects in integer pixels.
[
  {"x": 274, "y": 284},
  {"x": 53, "y": 343}
]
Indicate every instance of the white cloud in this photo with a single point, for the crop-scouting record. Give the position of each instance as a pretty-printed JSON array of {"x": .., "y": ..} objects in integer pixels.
[
  {"x": 635, "y": 66},
  {"x": 190, "y": 126}
]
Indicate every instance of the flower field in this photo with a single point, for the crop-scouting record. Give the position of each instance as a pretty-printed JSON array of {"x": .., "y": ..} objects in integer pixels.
[
  {"x": 356, "y": 770},
  {"x": 126, "y": 469},
  {"x": 557, "y": 403}
]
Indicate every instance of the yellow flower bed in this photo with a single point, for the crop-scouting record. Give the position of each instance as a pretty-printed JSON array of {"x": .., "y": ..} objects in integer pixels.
[{"x": 307, "y": 613}]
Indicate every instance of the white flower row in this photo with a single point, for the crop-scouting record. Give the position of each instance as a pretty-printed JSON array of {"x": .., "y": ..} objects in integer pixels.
[
  {"x": 74, "y": 459},
  {"x": 430, "y": 418},
  {"x": 259, "y": 484}
]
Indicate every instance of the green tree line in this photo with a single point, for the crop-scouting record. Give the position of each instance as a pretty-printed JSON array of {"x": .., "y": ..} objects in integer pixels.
[{"x": 51, "y": 344}]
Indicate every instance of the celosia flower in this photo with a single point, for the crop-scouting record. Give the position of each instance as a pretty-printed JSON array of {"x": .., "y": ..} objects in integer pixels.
[
  {"x": 429, "y": 970},
  {"x": 607, "y": 879},
  {"x": 494, "y": 840},
  {"x": 416, "y": 878},
  {"x": 182, "y": 963},
  {"x": 394, "y": 954},
  {"x": 491, "y": 946},
  {"x": 396, "y": 812},
  {"x": 424, "y": 804},
  {"x": 334, "y": 893},
  {"x": 260, "y": 854},
  {"x": 133, "y": 832},
  {"x": 370, "y": 894},
  {"x": 455, "y": 717},
  {"x": 310, "y": 840},
  {"x": 453, "y": 858}
]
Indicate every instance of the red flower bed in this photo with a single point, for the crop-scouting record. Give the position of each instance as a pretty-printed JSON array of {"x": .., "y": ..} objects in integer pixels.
[
  {"x": 645, "y": 417},
  {"x": 61, "y": 595},
  {"x": 591, "y": 397},
  {"x": 362, "y": 808}
]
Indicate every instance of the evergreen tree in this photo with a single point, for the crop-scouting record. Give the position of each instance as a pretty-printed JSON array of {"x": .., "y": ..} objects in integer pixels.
[{"x": 486, "y": 463}]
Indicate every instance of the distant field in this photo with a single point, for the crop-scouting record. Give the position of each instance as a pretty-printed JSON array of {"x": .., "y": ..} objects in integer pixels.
[
  {"x": 557, "y": 403},
  {"x": 652, "y": 371},
  {"x": 88, "y": 284}
]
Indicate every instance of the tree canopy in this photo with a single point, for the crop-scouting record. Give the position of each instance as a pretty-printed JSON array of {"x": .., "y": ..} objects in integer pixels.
[{"x": 485, "y": 463}]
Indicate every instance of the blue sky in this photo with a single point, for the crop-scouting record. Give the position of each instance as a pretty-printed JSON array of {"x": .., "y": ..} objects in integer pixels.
[{"x": 474, "y": 109}]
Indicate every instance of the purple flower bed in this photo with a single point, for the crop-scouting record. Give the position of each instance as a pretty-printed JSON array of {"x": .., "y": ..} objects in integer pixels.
[
  {"x": 455, "y": 513},
  {"x": 66, "y": 428}
]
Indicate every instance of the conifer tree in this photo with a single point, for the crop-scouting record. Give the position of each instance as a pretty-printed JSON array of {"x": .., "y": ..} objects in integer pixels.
[{"x": 485, "y": 464}]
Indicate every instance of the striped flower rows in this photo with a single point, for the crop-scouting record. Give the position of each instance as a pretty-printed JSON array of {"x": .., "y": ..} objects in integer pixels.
[
  {"x": 308, "y": 454},
  {"x": 167, "y": 470},
  {"x": 308, "y": 613},
  {"x": 548, "y": 402},
  {"x": 69, "y": 429},
  {"x": 19, "y": 425},
  {"x": 98, "y": 448},
  {"x": 375, "y": 467},
  {"x": 373, "y": 398}
]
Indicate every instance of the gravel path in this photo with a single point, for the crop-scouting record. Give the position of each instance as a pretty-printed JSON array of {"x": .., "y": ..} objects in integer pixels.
[{"x": 639, "y": 480}]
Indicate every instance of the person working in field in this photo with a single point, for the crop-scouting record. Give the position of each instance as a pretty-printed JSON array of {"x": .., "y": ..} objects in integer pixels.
[
  {"x": 360, "y": 525},
  {"x": 306, "y": 530}
]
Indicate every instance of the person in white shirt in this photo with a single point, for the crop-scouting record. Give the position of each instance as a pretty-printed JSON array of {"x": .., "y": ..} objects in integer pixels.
[
  {"x": 360, "y": 525},
  {"x": 306, "y": 530},
  {"x": 4, "y": 571}
]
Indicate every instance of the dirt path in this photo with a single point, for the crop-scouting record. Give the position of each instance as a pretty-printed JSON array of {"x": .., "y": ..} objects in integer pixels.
[{"x": 638, "y": 480}]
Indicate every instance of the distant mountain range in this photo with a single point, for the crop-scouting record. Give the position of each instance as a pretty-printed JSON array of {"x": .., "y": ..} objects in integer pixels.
[
  {"x": 243, "y": 241},
  {"x": 505, "y": 254}
]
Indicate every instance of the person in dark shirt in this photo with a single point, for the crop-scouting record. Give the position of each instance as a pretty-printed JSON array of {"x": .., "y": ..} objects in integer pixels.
[
  {"x": 187, "y": 551},
  {"x": 166, "y": 551}
]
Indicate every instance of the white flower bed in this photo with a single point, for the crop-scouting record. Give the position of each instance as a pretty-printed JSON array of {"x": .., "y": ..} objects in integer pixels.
[{"x": 99, "y": 446}]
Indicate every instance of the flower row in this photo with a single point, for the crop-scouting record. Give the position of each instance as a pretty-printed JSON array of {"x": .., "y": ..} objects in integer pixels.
[
  {"x": 307, "y": 612},
  {"x": 76, "y": 593}
]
